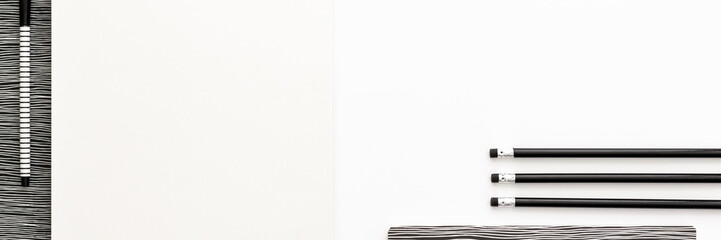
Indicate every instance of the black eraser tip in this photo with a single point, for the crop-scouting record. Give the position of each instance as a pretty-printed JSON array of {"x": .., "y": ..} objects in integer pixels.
[
  {"x": 494, "y": 202},
  {"x": 494, "y": 152},
  {"x": 25, "y": 181},
  {"x": 494, "y": 178}
]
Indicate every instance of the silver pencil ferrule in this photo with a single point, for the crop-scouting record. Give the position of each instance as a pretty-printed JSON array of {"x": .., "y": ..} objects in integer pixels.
[
  {"x": 506, "y": 178},
  {"x": 505, "y": 153},
  {"x": 506, "y": 202}
]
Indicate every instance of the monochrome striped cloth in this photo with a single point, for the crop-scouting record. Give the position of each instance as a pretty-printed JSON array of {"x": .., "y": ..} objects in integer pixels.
[
  {"x": 24, "y": 211},
  {"x": 542, "y": 232}
]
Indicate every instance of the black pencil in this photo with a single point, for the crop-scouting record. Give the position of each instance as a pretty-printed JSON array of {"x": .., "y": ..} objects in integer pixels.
[
  {"x": 24, "y": 97},
  {"x": 605, "y": 153},
  {"x": 604, "y": 178},
  {"x": 604, "y": 203}
]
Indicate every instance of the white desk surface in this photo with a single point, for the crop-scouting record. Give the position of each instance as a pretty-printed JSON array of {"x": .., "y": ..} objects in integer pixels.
[{"x": 424, "y": 89}]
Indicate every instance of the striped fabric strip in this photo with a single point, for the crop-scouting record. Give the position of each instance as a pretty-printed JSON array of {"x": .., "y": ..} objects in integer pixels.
[
  {"x": 25, "y": 211},
  {"x": 542, "y": 232}
]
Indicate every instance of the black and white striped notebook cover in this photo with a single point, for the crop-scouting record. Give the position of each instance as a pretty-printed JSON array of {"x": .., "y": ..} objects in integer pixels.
[
  {"x": 25, "y": 120},
  {"x": 541, "y": 232}
]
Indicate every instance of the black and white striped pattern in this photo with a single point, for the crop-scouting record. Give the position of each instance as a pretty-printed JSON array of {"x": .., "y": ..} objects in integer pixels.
[
  {"x": 25, "y": 211},
  {"x": 542, "y": 232},
  {"x": 24, "y": 98}
]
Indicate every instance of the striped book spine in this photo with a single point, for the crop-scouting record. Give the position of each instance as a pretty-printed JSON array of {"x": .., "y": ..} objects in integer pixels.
[
  {"x": 542, "y": 232},
  {"x": 25, "y": 99}
]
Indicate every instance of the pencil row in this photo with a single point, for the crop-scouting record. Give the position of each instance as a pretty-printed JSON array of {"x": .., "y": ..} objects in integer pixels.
[{"x": 604, "y": 177}]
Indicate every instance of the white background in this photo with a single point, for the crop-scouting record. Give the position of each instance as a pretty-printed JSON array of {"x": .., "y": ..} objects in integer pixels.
[
  {"x": 186, "y": 119},
  {"x": 425, "y": 88}
]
